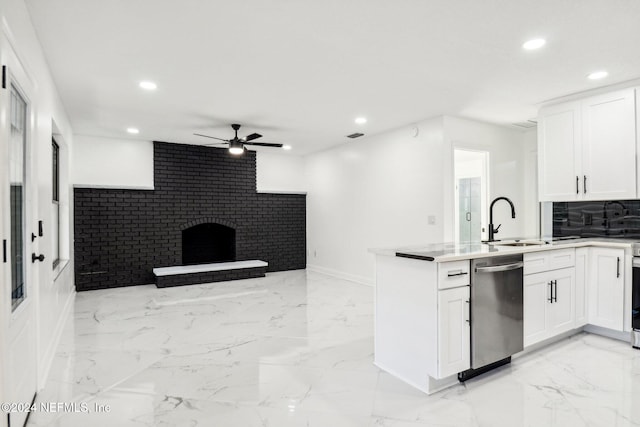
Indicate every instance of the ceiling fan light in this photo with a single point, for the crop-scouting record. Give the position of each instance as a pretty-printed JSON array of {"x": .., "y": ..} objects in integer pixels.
[{"x": 236, "y": 147}]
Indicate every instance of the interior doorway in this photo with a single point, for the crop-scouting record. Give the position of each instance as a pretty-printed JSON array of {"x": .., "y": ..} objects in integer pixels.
[{"x": 471, "y": 172}]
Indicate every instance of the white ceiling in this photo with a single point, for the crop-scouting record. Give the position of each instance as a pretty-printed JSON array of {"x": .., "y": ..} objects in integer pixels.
[{"x": 300, "y": 71}]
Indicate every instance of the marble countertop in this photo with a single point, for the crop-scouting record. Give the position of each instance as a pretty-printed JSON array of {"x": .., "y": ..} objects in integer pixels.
[{"x": 442, "y": 252}]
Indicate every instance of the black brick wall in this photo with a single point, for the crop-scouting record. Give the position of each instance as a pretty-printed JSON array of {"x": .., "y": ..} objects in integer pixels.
[{"x": 121, "y": 235}]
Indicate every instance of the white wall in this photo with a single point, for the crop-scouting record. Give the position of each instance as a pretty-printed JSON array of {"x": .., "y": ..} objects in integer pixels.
[
  {"x": 112, "y": 163},
  {"x": 51, "y": 292},
  {"x": 380, "y": 191},
  {"x": 128, "y": 163},
  {"x": 280, "y": 173},
  {"x": 507, "y": 170},
  {"x": 375, "y": 192}
]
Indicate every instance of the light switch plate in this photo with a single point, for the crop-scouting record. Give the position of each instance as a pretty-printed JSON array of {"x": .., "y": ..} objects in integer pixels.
[{"x": 431, "y": 219}]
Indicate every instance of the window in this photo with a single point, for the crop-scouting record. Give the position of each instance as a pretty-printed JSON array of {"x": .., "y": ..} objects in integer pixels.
[
  {"x": 55, "y": 190},
  {"x": 17, "y": 177}
]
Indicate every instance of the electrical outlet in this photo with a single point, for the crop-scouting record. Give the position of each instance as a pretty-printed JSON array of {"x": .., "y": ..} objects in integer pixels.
[{"x": 431, "y": 219}]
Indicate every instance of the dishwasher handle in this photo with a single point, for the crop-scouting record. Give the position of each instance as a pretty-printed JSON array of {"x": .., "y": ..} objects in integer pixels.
[{"x": 497, "y": 268}]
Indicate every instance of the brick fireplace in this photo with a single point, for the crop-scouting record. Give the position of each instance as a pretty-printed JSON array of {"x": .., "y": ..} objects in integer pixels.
[{"x": 121, "y": 235}]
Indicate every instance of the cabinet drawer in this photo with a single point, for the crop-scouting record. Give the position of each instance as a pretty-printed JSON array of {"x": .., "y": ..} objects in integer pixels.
[
  {"x": 453, "y": 274},
  {"x": 537, "y": 262}
]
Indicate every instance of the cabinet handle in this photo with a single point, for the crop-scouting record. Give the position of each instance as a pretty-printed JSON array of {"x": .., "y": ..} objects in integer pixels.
[
  {"x": 550, "y": 299},
  {"x": 618, "y": 268},
  {"x": 555, "y": 291},
  {"x": 468, "y": 311},
  {"x": 458, "y": 273},
  {"x": 585, "y": 184},
  {"x": 577, "y": 184}
]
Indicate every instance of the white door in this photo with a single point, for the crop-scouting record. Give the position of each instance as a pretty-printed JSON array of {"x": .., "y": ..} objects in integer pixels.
[
  {"x": 19, "y": 273},
  {"x": 609, "y": 146},
  {"x": 454, "y": 331},
  {"x": 606, "y": 288},
  {"x": 559, "y": 153},
  {"x": 561, "y": 308},
  {"x": 537, "y": 292}
]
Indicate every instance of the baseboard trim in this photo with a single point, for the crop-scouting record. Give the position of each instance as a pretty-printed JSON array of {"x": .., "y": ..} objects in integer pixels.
[
  {"x": 341, "y": 275},
  {"x": 591, "y": 329},
  {"x": 610, "y": 333}
]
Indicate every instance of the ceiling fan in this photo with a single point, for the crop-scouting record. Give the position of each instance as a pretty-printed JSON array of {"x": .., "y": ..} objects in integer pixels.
[{"x": 236, "y": 145}]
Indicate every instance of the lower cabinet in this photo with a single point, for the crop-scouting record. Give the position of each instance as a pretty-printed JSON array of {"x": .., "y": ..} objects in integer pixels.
[
  {"x": 549, "y": 304},
  {"x": 606, "y": 288},
  {"x": 454, "y": 331}
]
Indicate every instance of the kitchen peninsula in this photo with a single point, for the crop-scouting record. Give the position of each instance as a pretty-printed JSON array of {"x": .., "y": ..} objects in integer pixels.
[{"x": 423, "y": 315}]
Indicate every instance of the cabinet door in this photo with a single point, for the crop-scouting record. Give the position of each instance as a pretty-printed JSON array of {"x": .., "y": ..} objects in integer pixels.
[
  {"x": 561, "y": 309},
  {"x": 558, "y": 152},
  {"x": 609, "y": 146},
  {"x": 606, "y": 288},
  {"x": 581, "y": 286},
  {"x": 454, "y": 331},
  {"x": 537, "y": 291}
]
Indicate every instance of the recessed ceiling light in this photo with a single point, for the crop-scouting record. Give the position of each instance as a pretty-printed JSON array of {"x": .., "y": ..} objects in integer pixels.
[
  {"x": 597, "y": 75},
  {"x": 534, "y": 44},
  {"x": 286, "y": 147},
  {"x": 361, "y": 120},
  {"x": 134, "y": 131},
  {"x": 148, "y": 85}
]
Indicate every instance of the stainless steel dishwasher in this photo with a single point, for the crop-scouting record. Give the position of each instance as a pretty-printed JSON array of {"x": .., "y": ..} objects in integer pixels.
[{"x": 496, "y": 312}]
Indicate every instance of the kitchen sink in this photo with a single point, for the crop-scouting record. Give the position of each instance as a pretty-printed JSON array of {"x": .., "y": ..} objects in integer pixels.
[{"x": 519, "y": 243}]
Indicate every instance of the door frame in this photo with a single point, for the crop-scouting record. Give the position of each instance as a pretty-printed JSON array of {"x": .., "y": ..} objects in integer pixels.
[{"x": 485, "y": 184}]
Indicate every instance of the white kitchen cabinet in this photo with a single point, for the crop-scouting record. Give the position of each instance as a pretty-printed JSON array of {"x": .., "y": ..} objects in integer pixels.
[
  {"x": 562, "y": 310},
  {"x": 587, "y": 148},
  {"x": 559, "y": 152},
  {"x": 536, "y": 292},
  {"x": 582, "y": 255},
  {"x": 421, "y": 310},
  {"x": 454, "y": 331},
  {"x": 549, "y": 304},
  {"x": 606, "y": 288},
  {"x": 609, "y": 146}
]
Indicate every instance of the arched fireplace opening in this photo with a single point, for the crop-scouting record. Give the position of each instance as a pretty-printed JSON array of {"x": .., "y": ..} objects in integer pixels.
[{"x": 208, "y": 243}]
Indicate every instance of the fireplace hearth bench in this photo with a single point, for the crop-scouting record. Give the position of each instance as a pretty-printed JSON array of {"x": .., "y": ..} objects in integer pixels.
[{"x": 206, "y": 273}]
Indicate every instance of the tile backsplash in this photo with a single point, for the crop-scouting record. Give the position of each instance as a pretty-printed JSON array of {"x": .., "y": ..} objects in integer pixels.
[{"x": 612, "y": 218}]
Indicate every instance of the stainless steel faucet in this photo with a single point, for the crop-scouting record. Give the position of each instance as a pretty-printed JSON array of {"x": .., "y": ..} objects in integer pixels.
[{"x": 493, "y": 231}]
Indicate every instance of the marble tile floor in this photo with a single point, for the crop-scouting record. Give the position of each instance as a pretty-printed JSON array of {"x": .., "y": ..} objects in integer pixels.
[{"x": 296, "y": 349}]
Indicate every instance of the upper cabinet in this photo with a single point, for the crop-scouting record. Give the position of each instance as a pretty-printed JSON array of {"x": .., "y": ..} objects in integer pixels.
[
  {"x": 587, "y": 148},
  {"x": 559, "y": 152}
]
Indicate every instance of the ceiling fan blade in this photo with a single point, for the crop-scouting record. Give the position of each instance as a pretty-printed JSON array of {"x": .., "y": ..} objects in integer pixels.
[
  {"x": 263, "y": 144},
  {"x": 251, "y": 137},
  {"x": 212, "y": 137},
  {"x": 214, "y": 143}
]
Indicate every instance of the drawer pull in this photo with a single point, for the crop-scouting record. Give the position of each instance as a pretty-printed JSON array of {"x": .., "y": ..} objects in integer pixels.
[{"x": 457, "y": 273}]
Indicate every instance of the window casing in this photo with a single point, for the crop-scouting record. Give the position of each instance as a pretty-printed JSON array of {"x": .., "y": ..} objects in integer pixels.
[{"x": 55, "y": 191}]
